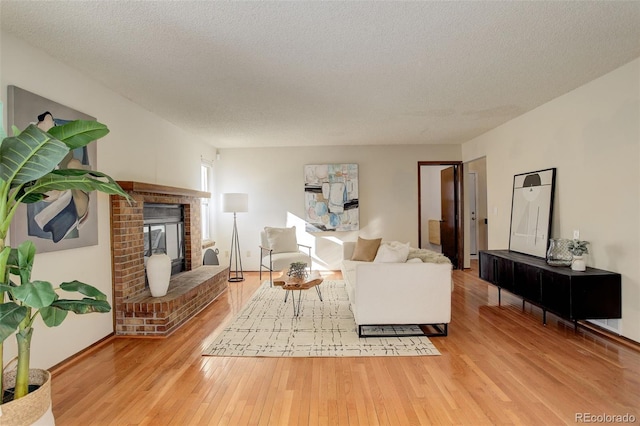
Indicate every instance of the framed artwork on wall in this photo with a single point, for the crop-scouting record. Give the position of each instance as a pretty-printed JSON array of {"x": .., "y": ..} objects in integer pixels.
[
  {"x": 331, "y": 197},
  {"x": 532, "y": 211},
  {"x": 65, "y": 219}
]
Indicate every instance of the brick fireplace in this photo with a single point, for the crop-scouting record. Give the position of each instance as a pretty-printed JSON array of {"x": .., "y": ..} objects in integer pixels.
[{"x": 136, "y": 312}]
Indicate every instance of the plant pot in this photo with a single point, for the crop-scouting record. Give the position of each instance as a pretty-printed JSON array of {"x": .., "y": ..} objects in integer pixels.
[
  {"x": 32, "y": 409},
  {"x": 578, "y": 264},
  {"x": 159, "y": 274}
]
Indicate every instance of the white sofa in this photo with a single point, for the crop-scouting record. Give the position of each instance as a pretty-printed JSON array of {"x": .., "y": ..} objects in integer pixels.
[{"x": 413, "y": 293}]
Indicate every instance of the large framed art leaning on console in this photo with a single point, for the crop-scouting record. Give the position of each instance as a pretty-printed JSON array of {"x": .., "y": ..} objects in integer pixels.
[{"x": 531, "y": 212}]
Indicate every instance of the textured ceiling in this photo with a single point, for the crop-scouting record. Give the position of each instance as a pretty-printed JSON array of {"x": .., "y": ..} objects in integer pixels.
[{"x": 247, "y": 74}]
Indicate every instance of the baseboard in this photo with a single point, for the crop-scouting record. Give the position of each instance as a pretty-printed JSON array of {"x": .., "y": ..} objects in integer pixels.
[
  {"x": 607, "y": 334},
  {"x": 68, "y": 362}
]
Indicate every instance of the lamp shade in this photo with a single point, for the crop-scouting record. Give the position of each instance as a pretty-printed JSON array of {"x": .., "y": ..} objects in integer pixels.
[{"x": 235, "y": 202}]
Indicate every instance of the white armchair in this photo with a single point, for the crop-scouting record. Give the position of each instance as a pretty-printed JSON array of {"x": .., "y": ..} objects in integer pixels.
[{"x": 279, "y": 248}]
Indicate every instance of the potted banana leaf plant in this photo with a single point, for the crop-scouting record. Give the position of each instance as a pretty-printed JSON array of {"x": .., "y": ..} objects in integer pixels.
[{"x": 28, "y": 172}]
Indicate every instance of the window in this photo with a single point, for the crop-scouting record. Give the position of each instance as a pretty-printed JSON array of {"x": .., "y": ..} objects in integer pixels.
[{"x": 205, "y": 185}]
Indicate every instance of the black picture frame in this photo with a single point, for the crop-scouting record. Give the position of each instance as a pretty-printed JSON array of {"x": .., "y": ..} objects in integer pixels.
[{"x": 532, "y": 212}]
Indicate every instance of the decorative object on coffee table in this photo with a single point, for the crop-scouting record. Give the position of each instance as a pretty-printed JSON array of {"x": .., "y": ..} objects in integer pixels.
[
  {"x": 578, "y": 248},
  {"x": 558, "y": 253},
  {"x": 298, "y": 270}
]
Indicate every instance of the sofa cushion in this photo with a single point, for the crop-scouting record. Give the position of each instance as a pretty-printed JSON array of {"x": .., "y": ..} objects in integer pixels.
[
  {"x": 392, "y": 252},
  {"x": 366, "y": 249},
  {"x": 282, "y": 240}
]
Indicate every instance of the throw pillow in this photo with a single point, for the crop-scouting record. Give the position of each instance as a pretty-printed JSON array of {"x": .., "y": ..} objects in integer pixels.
[
  {"x": 366, "y": 250},
  {"x": 392, "y": 252},
  {"x": 282, "y": 240}
]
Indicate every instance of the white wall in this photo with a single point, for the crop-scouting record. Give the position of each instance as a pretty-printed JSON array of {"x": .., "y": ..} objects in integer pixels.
[
  {"x": 592, "y": 136},
  {"x": 273, "y": 178},
  {"x": 140, "y": 147}
]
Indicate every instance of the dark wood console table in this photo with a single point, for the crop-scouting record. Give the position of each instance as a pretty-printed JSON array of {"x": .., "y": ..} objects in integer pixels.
[{"x": 573, "y": 295}]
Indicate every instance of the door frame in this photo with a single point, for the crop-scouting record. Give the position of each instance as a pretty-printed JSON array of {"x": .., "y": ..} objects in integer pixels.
[{"x": 458, "y": 177}]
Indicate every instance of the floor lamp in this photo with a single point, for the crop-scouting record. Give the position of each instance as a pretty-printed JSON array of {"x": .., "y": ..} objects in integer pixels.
[{"x": 235, "y": 203}]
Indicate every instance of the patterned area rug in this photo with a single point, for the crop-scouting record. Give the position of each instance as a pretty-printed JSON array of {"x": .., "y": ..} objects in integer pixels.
[{"x": 266, "y": 327}]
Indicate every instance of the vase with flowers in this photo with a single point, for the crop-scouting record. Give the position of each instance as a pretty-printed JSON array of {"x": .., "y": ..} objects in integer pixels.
[{"x": 578, "y": 249}]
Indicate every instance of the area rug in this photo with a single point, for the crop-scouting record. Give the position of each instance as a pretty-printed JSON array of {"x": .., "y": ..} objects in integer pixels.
[{"x": 266, "y": 327}]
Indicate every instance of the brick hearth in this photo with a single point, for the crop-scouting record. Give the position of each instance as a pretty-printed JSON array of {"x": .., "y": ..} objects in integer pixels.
[
  {"x": 189, "y": 293},
  {"x": 136, "y": 311}
]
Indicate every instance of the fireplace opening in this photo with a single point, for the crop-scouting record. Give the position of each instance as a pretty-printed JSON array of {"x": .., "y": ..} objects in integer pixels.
[{"x": 164, "y": 233}]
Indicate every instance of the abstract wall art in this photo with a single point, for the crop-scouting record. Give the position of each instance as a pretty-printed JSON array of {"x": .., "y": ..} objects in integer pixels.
[
  {"x": 65, "y": 219},
  {"x": 532, "y": 211},
  {"x": 331, "y": 197}
]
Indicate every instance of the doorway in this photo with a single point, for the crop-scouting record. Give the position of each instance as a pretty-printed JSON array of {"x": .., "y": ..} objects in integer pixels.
[
  {"x": 440, "y": 209},
  {"x": 475, "y": 218}
]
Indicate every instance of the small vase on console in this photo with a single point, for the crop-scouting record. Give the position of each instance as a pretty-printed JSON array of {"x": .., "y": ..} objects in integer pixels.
[
  {"x": 578, "y": 249},
  {"x": 558, "y": 252},
  {"x": 159, "y": 274},
  {"x": 578, "y": 264}
]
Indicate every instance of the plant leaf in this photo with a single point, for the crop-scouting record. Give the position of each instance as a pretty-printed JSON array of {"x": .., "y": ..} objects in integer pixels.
[
  {"x": 53, "y": 316},
  {"x": 78, "y": 133},
  {"x": 26, "y": 256},
  {"x": 84, "y": 306},
  {"x": 29, "y": 156},
  {"x": 12, "y": 262},
  {"x": 11, "y": 315},
  {"x": 85, "y": 289},
  {"x": 20, "y": 260},
  {"x": 87, "y": 181},
  {"x": 5, "y": 255},
  {"x": 37, "y": 294},
  {"x": 32, "y": 198}
]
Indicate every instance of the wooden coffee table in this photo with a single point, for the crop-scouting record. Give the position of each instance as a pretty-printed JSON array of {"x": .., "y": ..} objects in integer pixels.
[{"x": 291, "y": 284}]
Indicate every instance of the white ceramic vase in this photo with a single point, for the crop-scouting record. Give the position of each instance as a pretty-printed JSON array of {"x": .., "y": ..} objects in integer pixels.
[
  {"x": 578, "y": 264},
  {"x": 158, "y": 274}
]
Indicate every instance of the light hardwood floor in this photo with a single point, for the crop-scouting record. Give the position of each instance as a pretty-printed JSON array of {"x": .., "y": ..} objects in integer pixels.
[{"x": 499, "y": 365}]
